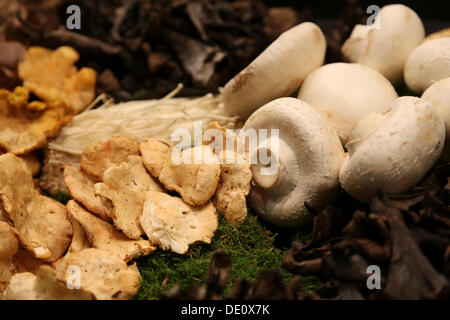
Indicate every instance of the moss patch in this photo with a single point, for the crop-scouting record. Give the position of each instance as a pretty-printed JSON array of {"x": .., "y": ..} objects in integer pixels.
[
  {"x": 58, "y": 196},
  {"x": 252, "y": 250}
]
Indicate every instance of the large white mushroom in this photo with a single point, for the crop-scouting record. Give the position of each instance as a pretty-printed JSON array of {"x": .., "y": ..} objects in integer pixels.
[
  {"x": 386, "y": 48},
  {"x": 346, "y": 92},
  {"x": 438, "y": 94},
  {"x": 304, "y": 164},
  {"x": 276, "y": 72},
  {"x": 428, "y": 63},
  {"x": 392, "y": 151}
]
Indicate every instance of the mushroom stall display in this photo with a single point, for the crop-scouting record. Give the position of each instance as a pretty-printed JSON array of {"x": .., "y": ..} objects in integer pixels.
[{"x": 308, "y": 160}]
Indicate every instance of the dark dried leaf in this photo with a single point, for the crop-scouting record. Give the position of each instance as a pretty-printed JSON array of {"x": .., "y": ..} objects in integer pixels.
[
  {"x": 278, "y": 20},
  {"x": 411, "y": 276},
  {"x": 371, "y": 236},
  {"x": 198, "y": 59},
  {"x": 219, "y": 271},
  {"x": 327, "y": 224},
  {"x": 11, "y": 53}
]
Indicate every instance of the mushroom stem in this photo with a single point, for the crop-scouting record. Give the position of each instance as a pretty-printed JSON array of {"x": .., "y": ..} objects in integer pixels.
[{"x": 266, "y": 173}]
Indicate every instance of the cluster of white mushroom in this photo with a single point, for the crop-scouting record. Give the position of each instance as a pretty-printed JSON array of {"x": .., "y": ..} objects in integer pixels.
[{"x": 390, "y": 142}]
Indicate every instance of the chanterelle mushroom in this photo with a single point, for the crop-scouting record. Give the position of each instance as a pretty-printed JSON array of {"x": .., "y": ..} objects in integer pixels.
[
  {"x": 304, "y": 168},
  {"x": 235, "y": 173},
  {"x": 52, "y": 75},
  {"x": 103, "y": 273},
  {"x": 125, "y": 185},
  {"x": 174, "y": 225},
  {"x": 428, "y": 63},
  {"x": 44, "y": 285},
  {"x": 438, "y": 95},
  {"x": 23, "y": 126},
  {"x": 344, "y": 93},
  {"x": 81, "y": 188},
  {"x": 41, "y": 222},
  {"x": 103, "y": 235},
  {"x": 194, "y": 176},
  {"x": 8, "y": 244},
  {"x": 395, "y": 153},
  {"x": 99, "y": 156},
  {"x": 278, "y": 71},
  {"x": 387, "y": 48}
]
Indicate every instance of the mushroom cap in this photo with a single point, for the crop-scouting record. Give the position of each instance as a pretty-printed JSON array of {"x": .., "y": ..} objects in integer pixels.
[
  {"x": 397, "y": 154},
  {"x": 428, "y": 63},
  {"x": 386, "y": 49},
  {"x": 438, "y": 34},
  {"x": 276, "y": 72},
  {"x": 310, "y": 155},
  {"x": 346, "y": 92},
  {"x": 42, "y": 285},
  {"x": 9, "y": 244},
  {"x": 438, "y": 94}
]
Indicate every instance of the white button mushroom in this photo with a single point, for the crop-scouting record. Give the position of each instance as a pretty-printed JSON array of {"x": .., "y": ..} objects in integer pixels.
[
  {"x": 395, "y": 154},
  {"x": 428, "y": 63},
  {"x": 386, "y": 48},
  {"x": 306, "y": 164},
  {"x": 438, "y": 94},
  {"x": 345, "y": 92},
  {"x": 277, "y": 72},
  {"x": 438, "y": 34}
]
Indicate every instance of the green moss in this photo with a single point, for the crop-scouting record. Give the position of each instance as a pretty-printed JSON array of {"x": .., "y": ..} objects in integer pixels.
[
  {"x": 59, "y": 196},
  {"x": 252, "y": 250}
]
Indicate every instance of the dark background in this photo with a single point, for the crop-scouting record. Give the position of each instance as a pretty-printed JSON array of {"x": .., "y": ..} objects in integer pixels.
[
  {"x": 435, "y": 14},
  {"x": 431, "y": 9}
]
